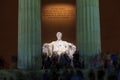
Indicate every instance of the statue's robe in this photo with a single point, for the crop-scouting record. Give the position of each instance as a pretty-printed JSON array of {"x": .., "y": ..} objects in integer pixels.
[{"x": 58, "y": 48}]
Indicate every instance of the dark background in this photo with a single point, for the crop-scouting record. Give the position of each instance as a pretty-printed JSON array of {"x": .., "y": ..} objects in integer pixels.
[{"x": 109, "y": 19}]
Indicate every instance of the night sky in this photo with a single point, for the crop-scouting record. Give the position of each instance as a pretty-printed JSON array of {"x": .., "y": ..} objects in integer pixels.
[{"x": 109, "y": 19}]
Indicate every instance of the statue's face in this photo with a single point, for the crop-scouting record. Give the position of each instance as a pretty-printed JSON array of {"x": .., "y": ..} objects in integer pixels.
[{"x": 59, "y": 35}]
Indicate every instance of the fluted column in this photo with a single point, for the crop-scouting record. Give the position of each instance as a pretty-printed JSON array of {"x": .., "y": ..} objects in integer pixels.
[
  {"x": 88, "y": 28},
  {"x": 29, "y": 34}
]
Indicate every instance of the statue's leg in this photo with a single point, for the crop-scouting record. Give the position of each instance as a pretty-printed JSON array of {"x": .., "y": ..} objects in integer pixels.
[
  {"x": 71, "y": 58},
  {"x": 59, "y": 56}
]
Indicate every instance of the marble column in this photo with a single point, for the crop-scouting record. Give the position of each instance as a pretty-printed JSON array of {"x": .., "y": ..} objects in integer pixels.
[
  {"x": 29, "y": 34},
  {"x": 88, "y": 28}
]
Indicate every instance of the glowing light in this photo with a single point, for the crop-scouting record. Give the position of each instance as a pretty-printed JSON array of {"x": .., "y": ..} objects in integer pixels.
[{"x": 58, "y": 13}]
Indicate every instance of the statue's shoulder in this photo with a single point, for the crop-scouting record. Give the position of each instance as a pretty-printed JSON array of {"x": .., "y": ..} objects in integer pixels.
[
  {"x": 52, "y": 43},
  {"x": 45, "y": 44},
  {"x": 65, "y": 42}
]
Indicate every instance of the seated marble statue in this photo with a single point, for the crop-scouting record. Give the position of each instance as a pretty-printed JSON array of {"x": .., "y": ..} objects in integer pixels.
[{"x": 59, "y": 47}]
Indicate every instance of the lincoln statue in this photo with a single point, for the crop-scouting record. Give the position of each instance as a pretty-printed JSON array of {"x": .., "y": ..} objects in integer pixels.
[{"x": 59, "y": 47}]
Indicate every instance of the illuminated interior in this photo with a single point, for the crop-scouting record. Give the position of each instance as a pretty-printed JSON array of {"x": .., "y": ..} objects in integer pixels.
[{"x": 58, "y": 16}]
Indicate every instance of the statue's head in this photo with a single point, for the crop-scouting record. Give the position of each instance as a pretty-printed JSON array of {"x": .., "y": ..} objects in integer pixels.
[{"x": 59, "y": 35}]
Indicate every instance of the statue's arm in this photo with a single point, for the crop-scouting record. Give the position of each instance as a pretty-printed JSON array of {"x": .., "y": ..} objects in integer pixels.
[
  {"x": 50, "y": 50},
  {"x": 45, "y": 48},
  {"x": 72, "y": 47}
]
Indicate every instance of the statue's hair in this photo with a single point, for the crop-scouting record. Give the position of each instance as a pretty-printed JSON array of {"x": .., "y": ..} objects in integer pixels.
[{"x": 58, "y": 33}]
